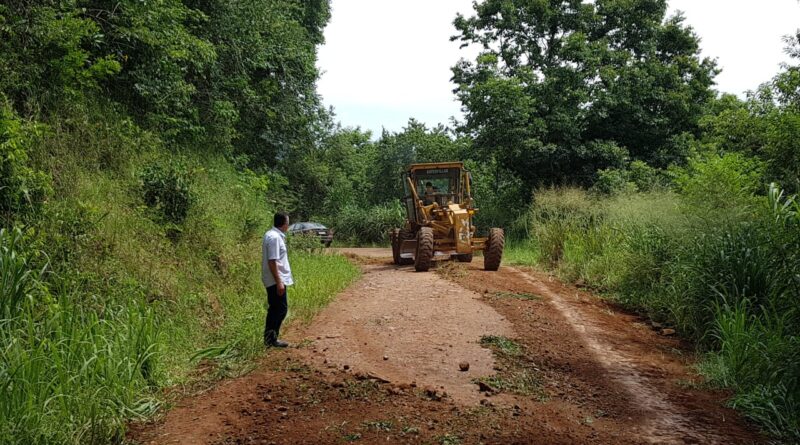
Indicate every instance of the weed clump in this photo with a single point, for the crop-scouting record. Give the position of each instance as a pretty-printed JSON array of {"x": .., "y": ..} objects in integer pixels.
[
  {"x": 517, "y": 374},
  {"x": 100, "y": 365},
  {"x": 166, "y": 188}
]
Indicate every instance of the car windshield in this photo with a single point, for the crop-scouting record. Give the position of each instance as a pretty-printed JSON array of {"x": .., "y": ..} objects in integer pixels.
[{"x": 298, "y": 227}]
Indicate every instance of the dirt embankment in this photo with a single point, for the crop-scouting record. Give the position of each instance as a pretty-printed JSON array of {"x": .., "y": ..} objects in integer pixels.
[{"x": 545, "y": 363}]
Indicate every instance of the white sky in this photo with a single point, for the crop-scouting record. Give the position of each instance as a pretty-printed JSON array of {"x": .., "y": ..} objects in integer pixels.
[{"x": 386, "y": 61}]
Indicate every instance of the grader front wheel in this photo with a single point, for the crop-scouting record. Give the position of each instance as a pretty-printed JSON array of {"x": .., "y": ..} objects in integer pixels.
[
  {"x": 422, "y": 261},
  {"x": 493, "y": 252}
]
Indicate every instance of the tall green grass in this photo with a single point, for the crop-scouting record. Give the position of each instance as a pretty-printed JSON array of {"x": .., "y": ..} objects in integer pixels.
[
  {"x": 103, "y": 303},
  {"x": 372, "y": 224},
  {"x": 724, "y": 272},
  {"x": 523, "y": 253},
  {"x": 69, "y": 374},
  {"x": 85, "y": 352}
]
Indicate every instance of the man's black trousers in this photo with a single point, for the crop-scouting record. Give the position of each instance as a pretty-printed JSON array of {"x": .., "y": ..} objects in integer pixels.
[{"x": 278, "y": 307}]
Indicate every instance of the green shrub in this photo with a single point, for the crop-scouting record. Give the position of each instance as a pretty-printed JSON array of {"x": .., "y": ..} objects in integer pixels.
[
  {"x": 638, "y": 176},
  {"x": 647, "y": 178},
  {"x": 611, "y": 181},
  {"x": 22, "y": 188},
  {"x": 721, "y": 182},
  {"x": 370, "y": 224},
  {"x": 166, "y": 188}
]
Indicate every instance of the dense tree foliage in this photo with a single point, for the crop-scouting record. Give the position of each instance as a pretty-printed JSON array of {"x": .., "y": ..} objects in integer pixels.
[
  {"x": 766, "y": 125},
  {"x": 563, "y": 88},
  {"x": 177, "y": 125},
  {"x": 237, "y": 77},
  {"x": 260, "y": 94},
  {"x": 48, "y": 52}
]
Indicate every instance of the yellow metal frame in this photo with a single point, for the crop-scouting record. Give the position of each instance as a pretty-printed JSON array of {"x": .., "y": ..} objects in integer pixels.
[
  {"x": 429, "y": 165},
  {"x": 445, "y": 230}
]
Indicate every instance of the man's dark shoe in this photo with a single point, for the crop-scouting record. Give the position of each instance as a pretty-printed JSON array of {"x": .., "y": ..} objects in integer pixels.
[{"x": 278, "y": 344}]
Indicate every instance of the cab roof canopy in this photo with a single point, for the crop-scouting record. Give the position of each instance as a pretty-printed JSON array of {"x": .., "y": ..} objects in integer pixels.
[{"x": 432, "y": 165}]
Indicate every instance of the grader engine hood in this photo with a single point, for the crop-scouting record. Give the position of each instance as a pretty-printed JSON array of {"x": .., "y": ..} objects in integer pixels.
[{"x": 462, "y": 229}]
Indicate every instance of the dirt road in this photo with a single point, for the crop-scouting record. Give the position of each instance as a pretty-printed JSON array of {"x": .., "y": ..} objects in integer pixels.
[{"x": 462, "y": 356}]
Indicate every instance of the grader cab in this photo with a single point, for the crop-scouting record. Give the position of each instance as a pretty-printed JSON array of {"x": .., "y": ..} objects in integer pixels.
[{"x": 439, "y": 212}]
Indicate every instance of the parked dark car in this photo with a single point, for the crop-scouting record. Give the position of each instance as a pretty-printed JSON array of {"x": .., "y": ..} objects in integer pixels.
[{"x": 311, "y": 228}]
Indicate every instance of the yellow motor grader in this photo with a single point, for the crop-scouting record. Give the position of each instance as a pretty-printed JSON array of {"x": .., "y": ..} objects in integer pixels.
[{"x": 439, "y": 211}]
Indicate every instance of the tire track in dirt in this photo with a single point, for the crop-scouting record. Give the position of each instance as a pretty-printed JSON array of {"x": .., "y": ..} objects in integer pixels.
[{"x": 662, "y": 422}]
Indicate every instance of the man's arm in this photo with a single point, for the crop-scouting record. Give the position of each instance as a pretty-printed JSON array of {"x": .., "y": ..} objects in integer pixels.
[{"x": 273, "y": 268}]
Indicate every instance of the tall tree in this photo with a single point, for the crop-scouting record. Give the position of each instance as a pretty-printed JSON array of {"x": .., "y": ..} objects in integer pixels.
[
  {"x": 48, "y": 53},
  {"x": 765, "y": 125},
  {"x": 416, "y": 143},
  {"x": 563, "y": 88},
  {"x": 160, "y": 57},
  {"x": 260, "y": 97}
]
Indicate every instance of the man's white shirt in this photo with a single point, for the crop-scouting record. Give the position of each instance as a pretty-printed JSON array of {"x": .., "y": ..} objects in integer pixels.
[{"x": 273, "y": 247}]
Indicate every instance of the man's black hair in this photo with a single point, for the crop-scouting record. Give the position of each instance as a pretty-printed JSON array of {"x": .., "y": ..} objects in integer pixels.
[
  {"x": 280, "y": 219},
  {"x": 428, "y": 184}
]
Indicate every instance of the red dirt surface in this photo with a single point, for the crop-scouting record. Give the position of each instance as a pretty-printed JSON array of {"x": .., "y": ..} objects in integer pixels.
[
  {"x": 403, "y": 327},
  {"x": 579, "y": 371}
]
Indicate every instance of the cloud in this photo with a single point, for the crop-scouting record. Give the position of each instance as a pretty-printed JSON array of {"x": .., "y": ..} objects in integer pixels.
[
  {"x": 390, "y": 60},
  {"x": 744, "y": 36}
]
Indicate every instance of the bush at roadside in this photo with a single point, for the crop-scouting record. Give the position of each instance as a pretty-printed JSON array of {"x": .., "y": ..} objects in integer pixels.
[{"x": 715, "y": 259}]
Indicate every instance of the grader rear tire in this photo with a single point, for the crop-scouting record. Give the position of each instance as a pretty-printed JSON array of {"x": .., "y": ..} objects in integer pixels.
[
  {"x": 493, "y": 252},
  {"x": 422, "y": 261},
  {"x": 395, "y": 238},
  {"x": 402, "y": 235}
]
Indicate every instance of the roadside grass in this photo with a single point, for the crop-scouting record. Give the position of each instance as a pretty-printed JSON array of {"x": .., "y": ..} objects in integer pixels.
[
  {"x": 719, "y": 270},
  {"x": 502, "y": 344},
  {"x": 318, "y": 279},
  {"x": 127, "y": 305},
  {"x": 521, "y": 253},
  {"x": 70, "y": 374}
]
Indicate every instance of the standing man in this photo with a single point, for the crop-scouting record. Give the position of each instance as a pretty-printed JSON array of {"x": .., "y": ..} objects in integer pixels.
[{"x": 276, "y": 276}]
